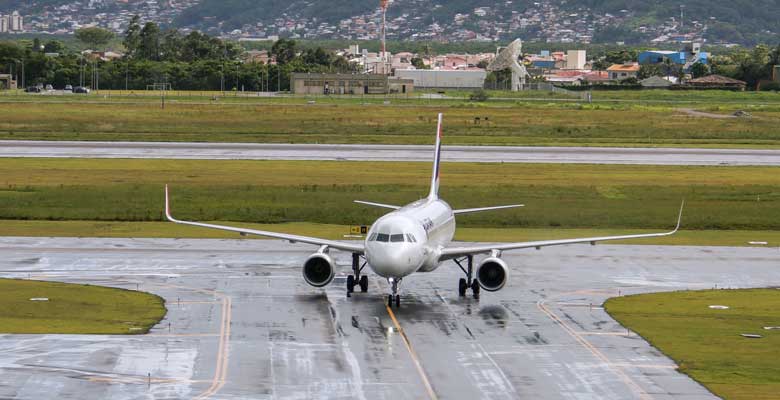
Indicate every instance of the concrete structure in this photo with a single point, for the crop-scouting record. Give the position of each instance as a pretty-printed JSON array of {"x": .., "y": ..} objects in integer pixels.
[
  {"x": 776, "y": 73},
  {"x": 507, "y": 58},
  {"x": 358, "y": 84},
  {"x": 619, "y": 72},
  {"x": 576, "y": 59},
  {"x": 444, "y": 79},
  {"x": 7, "y": 82}
]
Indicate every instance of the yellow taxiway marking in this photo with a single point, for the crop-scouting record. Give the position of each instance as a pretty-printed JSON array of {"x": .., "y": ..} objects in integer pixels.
[
  {"x": 413, "y": 354},
  {"x": 596, "y": 352},
  {"x": 223, "y": 353}
]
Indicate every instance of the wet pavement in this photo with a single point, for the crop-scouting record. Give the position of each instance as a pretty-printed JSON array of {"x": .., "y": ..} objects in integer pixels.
[
  {"x": 406, "y": 153},
  {"x": 242, "y": 324}
]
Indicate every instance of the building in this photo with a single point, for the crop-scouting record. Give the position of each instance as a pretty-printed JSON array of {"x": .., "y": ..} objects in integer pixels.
[
  {"x": 356, "y": 84},
  {"x": 619, "y": 72},
  {"x": 655, "y": 82},
  {"x": 776, "y": 73},
  {"x": 7, "y": 82},
  {"x": 716, "y": 82},
  {"x": 5, "y": 23},
  {"x": 688, "y": 56},
  {"x": 445, "y": 79},
  {"x": 17, "y": 22},
  {"x": 576, "y": 59}
]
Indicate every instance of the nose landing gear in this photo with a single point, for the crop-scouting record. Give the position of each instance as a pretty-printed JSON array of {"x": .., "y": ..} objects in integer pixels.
[
  {"x": 357, "y": 279},
  {"x": 394, "y": 296},
  {"x": 464, "y": 284}
]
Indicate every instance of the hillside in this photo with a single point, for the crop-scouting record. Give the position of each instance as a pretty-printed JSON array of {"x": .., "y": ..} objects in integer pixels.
[
  {"x": 633, "y": 21},
  {"x": 547, "y": 21}
]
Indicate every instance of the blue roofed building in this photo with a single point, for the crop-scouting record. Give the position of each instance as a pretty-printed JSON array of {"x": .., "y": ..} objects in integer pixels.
[{"x": 686, "y": 57}]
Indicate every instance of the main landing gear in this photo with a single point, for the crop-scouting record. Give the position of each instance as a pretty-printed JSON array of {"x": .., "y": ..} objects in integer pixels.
[
  {"x": 357, "y": 279},
  {"x": 464, "y": 284},
  {"x": 395, "y": 296}
]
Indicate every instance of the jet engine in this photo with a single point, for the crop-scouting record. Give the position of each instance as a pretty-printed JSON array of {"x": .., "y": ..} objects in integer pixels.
[
  {"x": 318, "y": 270},
  {"x": 492, "y": 274}
]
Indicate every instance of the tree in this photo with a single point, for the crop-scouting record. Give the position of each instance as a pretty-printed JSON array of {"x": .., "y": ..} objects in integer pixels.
[
  {"x": 132, "y": 40},
  {"x": 317, "y": 56},
  {"x": 699, "y": 69},
  {"x": 648, "y": 70},
  {"x": 37, "y": 46},
  {"x": 418, "y": 63},
  {"x": 284, "y": 50},
  {"x": 149, "y": 48},
  {"x": 94, "y": 37},
  {"x": 54, "y": 46}
]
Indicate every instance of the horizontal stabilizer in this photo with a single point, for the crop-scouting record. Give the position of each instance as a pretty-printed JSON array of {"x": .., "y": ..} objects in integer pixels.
[
  {"x": 380, "y": 205},
  {"x": 474, "y": 210}
]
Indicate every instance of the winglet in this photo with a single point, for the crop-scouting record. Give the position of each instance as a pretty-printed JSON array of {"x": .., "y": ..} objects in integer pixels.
[
  {"x": 679, "y": 217},
  {"x": 168, "y": 206}
]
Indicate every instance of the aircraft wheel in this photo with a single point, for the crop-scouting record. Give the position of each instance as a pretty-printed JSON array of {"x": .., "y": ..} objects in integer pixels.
[
  {"x": 462, "y": 286},
  {"x": 390, "y": 300},
  {"x": 397, "y": 300},
  {"x": 350, "y": 283},
  {"x": 475, "y": 289},
  {"x": 364, "y": 283}
]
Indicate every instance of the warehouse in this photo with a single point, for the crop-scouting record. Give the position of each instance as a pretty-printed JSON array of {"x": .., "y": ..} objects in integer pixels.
[
  {"x": 444, "y": 79},
  {"x": 358, "y": 84}
]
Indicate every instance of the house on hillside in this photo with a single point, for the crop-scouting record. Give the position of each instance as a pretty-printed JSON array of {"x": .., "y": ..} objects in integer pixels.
[
  {"x": 656, "y": 82},
  {"x": 619, "y": 72}
]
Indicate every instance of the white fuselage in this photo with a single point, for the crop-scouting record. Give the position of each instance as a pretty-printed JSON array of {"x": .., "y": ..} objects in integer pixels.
[{"x": 410, "y": 239}]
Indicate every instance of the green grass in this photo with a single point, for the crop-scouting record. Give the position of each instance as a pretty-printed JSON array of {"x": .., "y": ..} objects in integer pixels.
[
  {"x": 556, "y": 196},
  {"x": 338, "y": 232},
  {"x": 340, "y": 120},
  {"x": 75, "y": 309},
  {"x": 706, "y": 343}
]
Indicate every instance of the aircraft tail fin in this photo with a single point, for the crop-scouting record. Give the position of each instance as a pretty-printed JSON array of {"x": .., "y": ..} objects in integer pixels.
[{"x": 434, "y": 194}]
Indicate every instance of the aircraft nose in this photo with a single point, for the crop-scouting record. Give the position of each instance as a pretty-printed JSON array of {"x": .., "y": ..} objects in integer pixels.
[{"x": 393, "y": 260}]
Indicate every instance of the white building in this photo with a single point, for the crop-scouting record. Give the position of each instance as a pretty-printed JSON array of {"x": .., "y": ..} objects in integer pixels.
[
  {"x": 576, "y": 59},
  {"x": 4, "y": 23},
  {"x": 444, "y": 79},
  {"x": 17, "y": 22}
]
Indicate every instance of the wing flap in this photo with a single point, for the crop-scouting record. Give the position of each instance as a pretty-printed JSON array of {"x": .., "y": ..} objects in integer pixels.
[{"x": 380, "y": 205}]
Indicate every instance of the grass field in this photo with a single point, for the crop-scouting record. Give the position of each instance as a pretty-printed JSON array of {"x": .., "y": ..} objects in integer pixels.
[
  {"x": 340, "y": 120},
  {"x": 556, "y": 196},
  {"x": 339, "y": 232},
  {"x": 706, "y": 343},
  {"x": 75, "y": 309}
]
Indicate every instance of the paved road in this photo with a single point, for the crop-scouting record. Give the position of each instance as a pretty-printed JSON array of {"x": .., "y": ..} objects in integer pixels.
[
  {"x": 243, "y": 324},
  {"x": 591, "y": 155}
]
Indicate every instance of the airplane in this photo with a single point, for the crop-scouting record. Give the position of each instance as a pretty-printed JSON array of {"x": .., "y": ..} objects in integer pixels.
[{"x": 414, "y": 238}]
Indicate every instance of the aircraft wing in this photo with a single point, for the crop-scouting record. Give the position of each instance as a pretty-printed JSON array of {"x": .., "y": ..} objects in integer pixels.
[
  {"x": 454, "y": 252},
  {"x": 354, "y": 248}
]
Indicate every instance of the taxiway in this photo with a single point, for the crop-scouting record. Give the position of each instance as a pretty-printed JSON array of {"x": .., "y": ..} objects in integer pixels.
[{"x": 243, "y": 324}]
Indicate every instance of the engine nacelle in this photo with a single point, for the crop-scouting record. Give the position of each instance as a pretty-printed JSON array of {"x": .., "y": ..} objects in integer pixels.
[
  {"x": 492, "y": 274},
  {"x": 318, "y": 270}
]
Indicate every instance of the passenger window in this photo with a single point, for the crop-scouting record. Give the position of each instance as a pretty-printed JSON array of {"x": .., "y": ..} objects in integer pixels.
[
  {"x": 397, "y": 238},
  {"x": 382, "y": 237}
]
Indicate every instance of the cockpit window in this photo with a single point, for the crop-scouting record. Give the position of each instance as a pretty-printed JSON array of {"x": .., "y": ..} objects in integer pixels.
[
  {"x": 397, "y": 238},
  {"x": 382, "y": 237},
  {"x": 372, "y": 237},
  {"x": 410, "y": 238}
]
